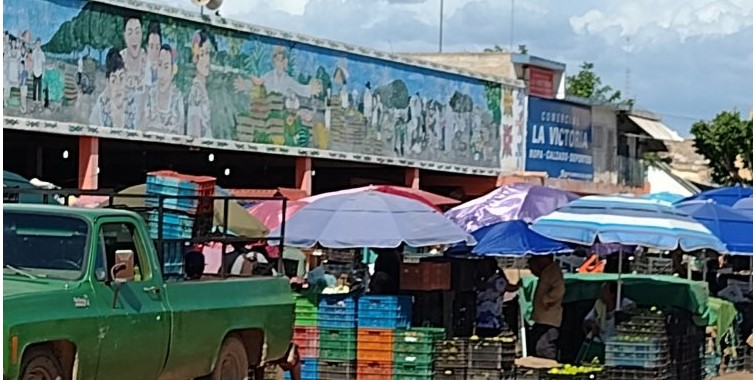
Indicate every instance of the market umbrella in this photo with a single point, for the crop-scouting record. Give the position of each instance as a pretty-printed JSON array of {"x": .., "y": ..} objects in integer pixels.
[
  {"x": 514, "y": 238},
  {"x": 269, "y": 212},
  {"x": 628, "y": 221},
  {"x": 430, "y": 199},
  {"x": 664, "y": 196},
  {"x": 733, "y": 228},
  {"x": 724, "y": 195},
  {"x": 369, "y": 219},
  {"x": 240, "y": 223},
  {"x": 745, "y": 204},
  {"x": 520, "y": 201}
]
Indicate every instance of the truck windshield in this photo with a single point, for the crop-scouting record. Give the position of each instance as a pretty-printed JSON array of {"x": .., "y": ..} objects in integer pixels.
[{"x": 44, "y": 245}]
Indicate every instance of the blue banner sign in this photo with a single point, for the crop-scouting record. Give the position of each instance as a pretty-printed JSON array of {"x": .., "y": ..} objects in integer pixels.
[{"x": 559, "y": 139}]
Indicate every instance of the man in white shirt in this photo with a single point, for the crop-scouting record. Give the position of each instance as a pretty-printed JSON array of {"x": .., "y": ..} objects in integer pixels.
[
  {"x": 600, "y": 320},
  {"x": 38, "y": 69}
]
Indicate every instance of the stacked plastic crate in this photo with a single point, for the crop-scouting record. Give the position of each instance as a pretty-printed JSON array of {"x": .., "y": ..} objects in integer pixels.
[
  {"x": 474, "y": 358},
  {"x": 640, "y": 349},
  {"x": 413, "y": 352},
  {"x": 337, "y": 317},
  {"x": 306, "y": 336},
  {"x": 378, "y": 318},
  {"x": 178, "y": 216}
]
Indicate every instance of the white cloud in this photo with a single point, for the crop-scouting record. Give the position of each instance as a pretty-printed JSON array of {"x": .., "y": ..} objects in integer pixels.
[{"x": 686, "y": 19}]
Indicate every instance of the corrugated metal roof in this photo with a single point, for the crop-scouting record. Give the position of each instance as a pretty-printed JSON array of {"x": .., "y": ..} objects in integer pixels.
[{"x": 656, "y": 129}]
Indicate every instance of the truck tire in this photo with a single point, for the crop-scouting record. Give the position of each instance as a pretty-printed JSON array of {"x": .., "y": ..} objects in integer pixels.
[
  {"x": 232, "y": 363},
  {"x": 41, "y": 364}
]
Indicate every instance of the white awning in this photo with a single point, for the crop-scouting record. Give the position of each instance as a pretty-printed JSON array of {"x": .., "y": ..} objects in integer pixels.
[{"x": 656, "y": 129}]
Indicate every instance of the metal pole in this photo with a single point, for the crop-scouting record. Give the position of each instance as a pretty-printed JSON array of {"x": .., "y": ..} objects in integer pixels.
[
  {"x": 441, "y": 26},
  {"x": 511, "y": 28},
  {"x": 281, "y": 242},
  {"x": 619, "y": 280}
]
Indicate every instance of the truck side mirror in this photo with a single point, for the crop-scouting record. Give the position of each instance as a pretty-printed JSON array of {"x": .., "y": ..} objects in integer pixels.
[{"x": 122, "y": 271}]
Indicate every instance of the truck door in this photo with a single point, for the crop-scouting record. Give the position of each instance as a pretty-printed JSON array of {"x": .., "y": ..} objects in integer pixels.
[{"x": 135, "y": 326}]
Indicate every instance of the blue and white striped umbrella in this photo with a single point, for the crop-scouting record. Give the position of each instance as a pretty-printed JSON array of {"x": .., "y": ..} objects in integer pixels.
[{"x": 629, "y": 221}]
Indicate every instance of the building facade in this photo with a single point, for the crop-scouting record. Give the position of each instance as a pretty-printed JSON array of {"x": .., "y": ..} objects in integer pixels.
[{"x": 127, "y": 70}]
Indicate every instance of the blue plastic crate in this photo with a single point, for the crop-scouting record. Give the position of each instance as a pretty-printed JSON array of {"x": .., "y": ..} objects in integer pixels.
[
  {"x": 309, "y": 370},
  {"x": 173, "y": 258},
  {"x": 384, "y": 312},
  {"x": 337, "y": 301},
  {"x": 640, "y": 363},
  {"x": 175, "y": 226},
  {"x": 385, "y": 303},
  {"x": 172, "y": 187},
  {"x": 383, "y": 323},
  {"x": 651, "y": 346},
  {"x": 324, "y": 321}
]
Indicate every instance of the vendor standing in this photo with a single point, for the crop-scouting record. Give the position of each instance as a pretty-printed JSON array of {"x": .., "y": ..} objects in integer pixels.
[
  {"x": 600, "y": 320},
  {"x": 490, "y": 320},
  {"x": 547, "y": 306}
]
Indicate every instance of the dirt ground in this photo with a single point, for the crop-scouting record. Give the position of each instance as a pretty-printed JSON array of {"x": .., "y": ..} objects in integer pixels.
[{"x": 735, "y": 376}]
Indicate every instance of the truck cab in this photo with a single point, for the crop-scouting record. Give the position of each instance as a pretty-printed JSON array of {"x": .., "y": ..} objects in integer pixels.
[{"x": 85, "y": 298}]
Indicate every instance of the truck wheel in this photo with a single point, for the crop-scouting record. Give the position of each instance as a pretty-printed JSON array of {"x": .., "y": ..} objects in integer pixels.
[
  {"x": 41, "y": 364},
  {"x": 232, "y": 361}
]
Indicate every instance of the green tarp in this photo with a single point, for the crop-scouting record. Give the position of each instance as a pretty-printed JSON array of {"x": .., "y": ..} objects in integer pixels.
[
  {"x": 720, "y": 313},
  {"x": 658, "y": 290}
]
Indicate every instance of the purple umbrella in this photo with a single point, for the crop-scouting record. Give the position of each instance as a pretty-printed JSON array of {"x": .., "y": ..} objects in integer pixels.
[{"x": 519, "y": 201}]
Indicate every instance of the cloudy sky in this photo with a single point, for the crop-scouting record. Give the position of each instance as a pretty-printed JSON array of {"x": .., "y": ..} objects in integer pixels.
[{"x": 687, "y": 59}]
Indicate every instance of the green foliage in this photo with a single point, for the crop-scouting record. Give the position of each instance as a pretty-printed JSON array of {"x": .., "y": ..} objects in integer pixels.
[
  {"x": 394, "y": 95},
  {"x": 523, "y": 49},
  {"x": 325, "y": 79},
  {"x": 722, "y": 141},
  {"x": 587, "y": 84},
  {"x": 493, "y": 100},
  {"x": 94, "y": 27},
  {"x": 495, "y": 49},
  {"x": 460, "y": 102}
]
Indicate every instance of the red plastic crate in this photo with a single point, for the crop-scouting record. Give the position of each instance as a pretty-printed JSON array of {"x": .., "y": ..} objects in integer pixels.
[
  {"x": 375, "y": 345},
  {"x": 306, "y": 339},
  {"x": 425, "y": 276},
  {"x": 372, "y": 370}
]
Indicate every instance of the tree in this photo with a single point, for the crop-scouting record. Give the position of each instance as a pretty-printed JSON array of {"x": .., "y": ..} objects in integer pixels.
[
  {"x": 495, "y": 49},
  {"x": 586, "y": 84},
  {"x": 523, "y": 49},
  {"x": 722, "y": 142}
]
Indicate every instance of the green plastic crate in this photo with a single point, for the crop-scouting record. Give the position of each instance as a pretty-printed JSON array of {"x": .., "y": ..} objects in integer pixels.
[
  {"x": 337, "y": 344},
  {"x": 413, "y": 371},
  {"x": 417, "y": 358},
  {"x": 417, "y": 339},
  {"x": 305, "y": 312}
]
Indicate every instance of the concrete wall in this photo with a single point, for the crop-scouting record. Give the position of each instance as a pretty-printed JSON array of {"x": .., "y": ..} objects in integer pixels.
[
  {"x": 494, "y": 63},
  {"x": 604, "y": 124}
]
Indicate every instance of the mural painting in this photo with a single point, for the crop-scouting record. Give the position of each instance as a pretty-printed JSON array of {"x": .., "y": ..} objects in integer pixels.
[{"x": 94, "y": 63}]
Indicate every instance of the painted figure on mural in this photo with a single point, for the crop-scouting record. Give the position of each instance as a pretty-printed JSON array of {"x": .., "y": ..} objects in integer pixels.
[
  {"x": 340, "y": 76},
  {"x": 138, "y": 74},
  {"x": 114, "y": 108},
  {"x": 198, "y": 107},
  {"x": 165, "y": 105},
  {"x": 278, "y": 80},
  {"x": 367, "y": 104},
  {"x": 27, "y": 67},
  {"x": 38, "y": 69},
  {"x": 154, "y": 45}
]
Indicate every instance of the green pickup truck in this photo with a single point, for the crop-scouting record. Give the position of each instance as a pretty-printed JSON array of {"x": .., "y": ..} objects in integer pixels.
[{"x": 85, "y": 298}]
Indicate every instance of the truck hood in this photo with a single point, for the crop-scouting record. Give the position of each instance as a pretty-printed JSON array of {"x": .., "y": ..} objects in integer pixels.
[{"x": 16, "y": 286}]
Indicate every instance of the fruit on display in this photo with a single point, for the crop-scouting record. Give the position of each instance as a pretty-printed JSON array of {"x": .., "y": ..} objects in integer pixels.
[{"x": 572, "y": 370}]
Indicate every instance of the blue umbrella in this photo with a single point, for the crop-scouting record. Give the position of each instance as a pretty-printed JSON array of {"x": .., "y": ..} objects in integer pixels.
[
  {"x": 664, "y": 196},
  {"x": 733, "y": 228},
  {"x": 370, "y": 219},
  {"x": 514, "y": 238},
  {"x": 724, "y": 195},
  {"x": 745, "y": 204},
  {"x": 629, "y": 221}
]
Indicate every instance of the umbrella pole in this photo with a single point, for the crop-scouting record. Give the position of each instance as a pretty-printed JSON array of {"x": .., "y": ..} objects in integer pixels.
[
  {"x": 523, "y": 330},
  {"x": 619, "y": 279}
]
